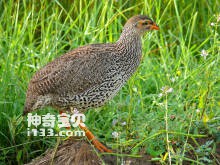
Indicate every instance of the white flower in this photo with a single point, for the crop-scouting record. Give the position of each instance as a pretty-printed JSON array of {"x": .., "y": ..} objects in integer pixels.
[
  {"x": 212, "y": 24},
  {"x": 204, "y": 53},
  {"x": 115, "y": 134},
  {"x": 165, "y": 90},
  {"x": 170, "y": 90},
  {"x": 197, "y": 110},
  {"x": 172, "y": 79},
  {"x": 123, "y": 123},
  {"x": 160, "y": 95},
  {"x": 114, "y": 122}
]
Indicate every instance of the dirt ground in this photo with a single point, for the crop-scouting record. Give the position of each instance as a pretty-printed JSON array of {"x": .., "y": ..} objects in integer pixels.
[{"x": 80, "y": 152}]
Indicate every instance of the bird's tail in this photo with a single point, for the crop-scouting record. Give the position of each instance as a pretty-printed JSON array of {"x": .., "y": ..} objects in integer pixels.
[
  {"x": 29, "y": 103},
  {"x": 27, "y": 108}
]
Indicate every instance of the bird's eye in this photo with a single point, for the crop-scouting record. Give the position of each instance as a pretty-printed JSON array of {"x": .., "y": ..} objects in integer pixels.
[{"x": 145, "y": 23}]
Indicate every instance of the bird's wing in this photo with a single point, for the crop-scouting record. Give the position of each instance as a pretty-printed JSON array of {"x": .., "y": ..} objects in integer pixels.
[
  {"x": 74, "y": 72},
  {"x": 48, "y": 78}
]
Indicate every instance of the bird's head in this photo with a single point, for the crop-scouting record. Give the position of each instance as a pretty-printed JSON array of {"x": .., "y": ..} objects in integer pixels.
[{"x": 141, "y": 24}]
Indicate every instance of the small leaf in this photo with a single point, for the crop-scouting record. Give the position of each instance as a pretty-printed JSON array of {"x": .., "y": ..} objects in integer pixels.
[
  {"x": 201, "y": 102},
  {"x": 178, "y": 72},
  {"x": 135, "y": 89},
  {"x": 205, "y": 119},
  {"x": 18, "y": 157},
  {"x": 165, "y": 156}
]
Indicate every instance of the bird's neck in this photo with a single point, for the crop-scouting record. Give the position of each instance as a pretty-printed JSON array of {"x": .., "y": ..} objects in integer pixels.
[
  {"x": 129, "y": 50},
  {"x": 129, "y": 41}
]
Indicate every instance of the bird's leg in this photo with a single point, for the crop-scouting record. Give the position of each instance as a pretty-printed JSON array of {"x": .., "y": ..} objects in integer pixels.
[{"x": 91, "y": 137}]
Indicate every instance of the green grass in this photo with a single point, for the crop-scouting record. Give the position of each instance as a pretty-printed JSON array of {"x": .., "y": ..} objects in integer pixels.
[{"x": 169, "y": 128}]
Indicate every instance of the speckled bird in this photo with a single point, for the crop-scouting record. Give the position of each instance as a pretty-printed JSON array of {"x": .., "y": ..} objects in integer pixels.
[{"x": 89, "y": 76}]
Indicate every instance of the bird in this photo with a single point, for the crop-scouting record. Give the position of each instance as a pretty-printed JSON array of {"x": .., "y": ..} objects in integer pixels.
[{"x": 89, "y": 76}]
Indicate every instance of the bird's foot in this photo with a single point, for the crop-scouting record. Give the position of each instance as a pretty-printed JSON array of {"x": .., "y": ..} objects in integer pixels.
[{"x": 93, "y": 140}]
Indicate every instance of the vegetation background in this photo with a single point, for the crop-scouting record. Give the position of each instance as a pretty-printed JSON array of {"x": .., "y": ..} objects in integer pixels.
[{"x": 170, "y": 109}]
